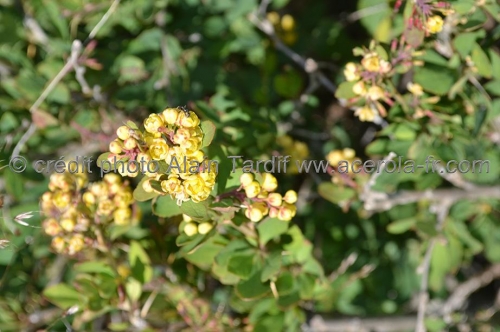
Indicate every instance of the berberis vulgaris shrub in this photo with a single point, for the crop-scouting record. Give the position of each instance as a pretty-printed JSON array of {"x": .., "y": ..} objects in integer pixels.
[{"x": 211, "y": 165}]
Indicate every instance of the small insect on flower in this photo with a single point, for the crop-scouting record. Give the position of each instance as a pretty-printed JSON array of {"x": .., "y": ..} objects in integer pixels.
[{"x": 184, "y": 109}]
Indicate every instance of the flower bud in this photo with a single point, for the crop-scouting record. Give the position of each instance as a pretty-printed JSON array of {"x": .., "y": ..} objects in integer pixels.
[
  {"x": 269, "y": 182},
  {"x": 170, "y": 115},
  {"x": 246, "y": 179},
  {"x": 290, "y": 197},
  {"x": 253, "y": 189},
  {"x": 130, "y": 143},
  {"x": 190, "y": 229},
  {"x": 123, "y": 132},
  {"x": 274, "y": 199},
  {"x": 205, "y": 227}
]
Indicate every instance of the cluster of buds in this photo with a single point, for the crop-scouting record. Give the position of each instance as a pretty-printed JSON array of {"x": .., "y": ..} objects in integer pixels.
[
  {"x": 168, "y": 151},
  {"x": 262, "y": 200},
  {"x": 190, "y": 227},
  {"x": 297, "y": 150},
  {"x": 73, "y": 209},
  {"x": 284, "y": 27}
]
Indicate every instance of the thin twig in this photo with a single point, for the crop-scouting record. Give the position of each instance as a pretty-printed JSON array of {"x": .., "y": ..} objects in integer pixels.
[
  {"x": 72, "y": 63},
  {"x": 104, "y": 19}
]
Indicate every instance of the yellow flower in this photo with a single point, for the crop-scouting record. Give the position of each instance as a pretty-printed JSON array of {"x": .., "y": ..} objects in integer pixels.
[
  {"x": 170, "y": 115},
  {"x": 123, "y": 198},
  {"x": 205, "y": 227},
  {"x": 76, "y": 244},
  {"x": 105, "y": 207},
  {"x": 112, "y": 178},
  {"x": 415, "y": 88},
  {"x": 115, "y": 147},
  {"x": 190, "y": 121},
  {"x": 287, "y": 212},
  {"x": 253, "y": 189},
  {"x": 254, "y": 214},
  {"x": 351, "y": 72},
  {"x": 190, "y": 229},
  {"x": 275, "y": 199},
  {"x": 129, "y": 144},
  {"x": 159, "y": 149},
  {"x": 290, "y": 197},
  {"x": 359, "y": 88},
  {"x": 246, "y": 179},
  {"x": 68, "y": 225},
  {"x": 122, "y": 216},
  {"x": 287, "y": 22},
  {"x": 146, "y": 185},
  {"x": 153, "y": 123},
  {"x": 88, "y": 198},
  {"x": 334, "y": 157},
  {"x": 434, "y": 24},
  {"x": 123, "y": 132},
  {"x": 269, "y": 182},
  {"x": 273, "y": 17},
  {"x": 172, "y": 185},
  {"x": 58, "y": 244},
  {"x": 51, "y": 227},
  {"x": 375, "y": 93},
  {"x": 371, "y": 62},
  {"x": 365, "y": 113},
  {"x": 182, "y": 135}
]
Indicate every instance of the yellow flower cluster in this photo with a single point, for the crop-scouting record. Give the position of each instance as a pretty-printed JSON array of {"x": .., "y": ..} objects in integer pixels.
[
  {"x": 295, "y": 149},
  {"x": 68, "y": 220},
  {"x": 191, "y": 227},
  {"x": 348, "y": 155},
  {"x": 371, "y": 69},
  {"x": 168, "y": 152},
  {"x": 264, "y": 201},
  {"x": 284, "y": 27}
]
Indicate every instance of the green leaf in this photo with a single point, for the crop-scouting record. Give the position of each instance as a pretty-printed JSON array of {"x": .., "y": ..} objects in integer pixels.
[
  {"x": 285, "y": 284},
  {"x": 481, "y": 61},
  {"x": 464, "y": 43},
  {"x": 252, "y": 288},
  {"x": 56, "y": 18},
  {"x": 64, "y": 296},
  {"x": 401, "y": 226},
  {"x": 95, "y": 267},
  {"x": 204, "y": 254},
  {"x": 335, "y": 193},
  {"x": 166, "y": 207},
  {"x": 288, "y": 84},
  {"x": 344, "y": 90},
  {"x": 272, "y": 266},
  {"x": 241, "y": 265},
  {"x": 197, "y": 211},
  {"x": 435, "y": 79},
  {"x": 134, "y": 289},
  {"x": 493, "y": 87},
  {"x": 140, "y": 263},
  {"x": 208, "y": 129},
  {"x": 271, "y": 228},
  {"x": 141, "y": 195}
]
